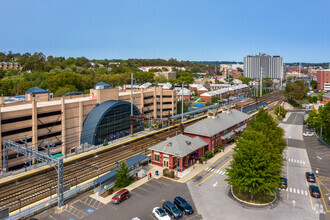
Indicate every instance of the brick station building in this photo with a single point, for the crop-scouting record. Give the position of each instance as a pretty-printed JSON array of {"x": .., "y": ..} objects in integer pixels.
[{"x": 221, "y": 126}]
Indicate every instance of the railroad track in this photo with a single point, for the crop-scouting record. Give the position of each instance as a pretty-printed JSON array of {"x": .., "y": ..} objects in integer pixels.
[
  {"x": 42, "y": 185},
  {"x": 33, "y": 188}
]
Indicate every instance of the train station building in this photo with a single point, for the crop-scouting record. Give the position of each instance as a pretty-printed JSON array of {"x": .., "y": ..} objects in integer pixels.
[
  {"x": 221, "y": 126},
  {"x": 70, "y": 121}
]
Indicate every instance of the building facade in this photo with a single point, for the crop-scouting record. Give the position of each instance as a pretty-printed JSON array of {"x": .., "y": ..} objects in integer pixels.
[
  {"x": 7, "y": 65},
  {"x": 323, "y": 79},
  {"x": 70, "y": 121},
  {"x": 184, "y": 150},
  {"x": 263, "y": 64}
]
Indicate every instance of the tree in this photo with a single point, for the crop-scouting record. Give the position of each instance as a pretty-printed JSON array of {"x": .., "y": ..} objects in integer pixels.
[
  {"x": 256, "y": 165},
  {"x": 231, "y": 78},
  {"x": 160, "y": 79},
  {"x": 267, "y": 82},
  {"x": 280, "y": 111},
  {"x": 313, "y": 84},
  {"x": 321, "y": 121},
  {"x": 122, "y": 175},
  {"x": 214, "y": 99},
  {"x": 295, "y": 90},
  {"x": 245, "y": 80},
  {"x": 239, "y": 69},
  {"x": 179, "y": 107}
]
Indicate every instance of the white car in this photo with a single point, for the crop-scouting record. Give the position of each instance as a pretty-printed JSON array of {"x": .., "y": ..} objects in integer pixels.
[
  {"x": 160, "y": 214},
  {"x": 308, "y": 134}
]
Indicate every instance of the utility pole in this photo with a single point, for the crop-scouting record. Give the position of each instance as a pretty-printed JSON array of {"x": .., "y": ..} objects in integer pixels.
[
  {"x": 261, "y": 84},
  {"x": 182, "y": 104},
  {"x": 132, "y": 104}
]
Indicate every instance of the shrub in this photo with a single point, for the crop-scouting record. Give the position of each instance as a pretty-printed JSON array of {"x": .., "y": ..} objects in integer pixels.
[
  {"x": 172, "y": 174},
  {"x": 208, "y": 154},
  {"x": 201, "y": 159},
  {"x": 165, "y": 172}
]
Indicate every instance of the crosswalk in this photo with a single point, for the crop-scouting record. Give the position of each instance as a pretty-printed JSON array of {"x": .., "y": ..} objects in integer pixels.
[
  {"x": 296, "y": 191},
  {"x": 296, "y": 161},
  {"x": 211, "y": 170}
]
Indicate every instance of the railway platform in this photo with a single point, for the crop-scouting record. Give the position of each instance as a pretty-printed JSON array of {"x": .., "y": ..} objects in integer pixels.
[{"x": 73, "y": 157}]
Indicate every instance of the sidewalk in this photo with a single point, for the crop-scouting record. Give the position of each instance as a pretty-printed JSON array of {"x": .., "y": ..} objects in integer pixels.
[{"x": 185, "y": 176}]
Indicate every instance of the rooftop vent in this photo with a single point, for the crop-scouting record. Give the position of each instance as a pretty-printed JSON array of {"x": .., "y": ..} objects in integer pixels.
[
  {"x": 169, "y": 144},
  {"x": 188, "y": 142}
]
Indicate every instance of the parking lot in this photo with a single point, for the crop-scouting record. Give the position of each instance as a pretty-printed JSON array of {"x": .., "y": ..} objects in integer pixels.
[{"x": 144, "y": 198}]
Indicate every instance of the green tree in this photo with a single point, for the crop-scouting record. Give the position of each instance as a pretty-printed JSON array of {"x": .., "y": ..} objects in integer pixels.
[
  {"x": 215, "y": 99},
  {"x": 313, "y": 84},
  {"x": 267, "y": 82},
  {"x": 280, "y": 111},
  {"x": 122, "y": 175},
  {"x": 179, "y": 107},
  {"x": 239, "y": 69},
  {"x": 256, "y": 165},
  {"x": 245, "y": 80},
  {"x": 160, "y": 79}
]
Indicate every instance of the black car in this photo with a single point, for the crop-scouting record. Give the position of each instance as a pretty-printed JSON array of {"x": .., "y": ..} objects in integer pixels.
[
  {"x": 314, "y": 191},
  {"x": 172, "y": 210},
  {"x": 183, "y": 205},
  {"x": 310, "y": 177},
  {"x": 285, "y": 182}
]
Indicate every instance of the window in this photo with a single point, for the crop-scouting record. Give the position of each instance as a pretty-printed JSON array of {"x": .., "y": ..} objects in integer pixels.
[{"x": 156, "y": 157}]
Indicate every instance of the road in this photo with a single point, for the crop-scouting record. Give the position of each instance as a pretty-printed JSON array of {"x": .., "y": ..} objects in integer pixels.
[{"x": 211, "y": 194}]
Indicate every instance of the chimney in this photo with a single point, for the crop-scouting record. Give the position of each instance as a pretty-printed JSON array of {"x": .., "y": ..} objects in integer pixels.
[{"x": 169, "y": 144}]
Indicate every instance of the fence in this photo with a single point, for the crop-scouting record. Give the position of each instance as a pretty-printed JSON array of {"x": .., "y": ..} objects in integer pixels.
[{"x": 52, "y": 201}]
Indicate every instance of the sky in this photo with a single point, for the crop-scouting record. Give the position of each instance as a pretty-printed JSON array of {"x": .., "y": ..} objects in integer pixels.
[{"x": 203, "y": 30}]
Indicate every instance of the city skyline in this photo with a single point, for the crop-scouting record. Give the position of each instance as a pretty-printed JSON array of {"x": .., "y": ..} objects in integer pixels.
[{"x": 186, "y": 30}]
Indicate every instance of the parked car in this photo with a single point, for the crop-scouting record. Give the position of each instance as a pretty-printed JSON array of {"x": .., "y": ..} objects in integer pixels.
[
  {"x": 183, "y": 205},
  {"x": 172, "y": 210},
  {"x": 314, "y": 191},
  {"x": 310, "y": 177},
  {"x": 308, "y": 134},
  {"x": 120, "y": 196},
  {"x": 160, "y": 214},
  {"x": 285, "y": 182}
]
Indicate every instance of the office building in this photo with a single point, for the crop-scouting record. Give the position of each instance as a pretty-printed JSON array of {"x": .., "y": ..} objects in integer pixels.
[{"x": 323, "y": 79}]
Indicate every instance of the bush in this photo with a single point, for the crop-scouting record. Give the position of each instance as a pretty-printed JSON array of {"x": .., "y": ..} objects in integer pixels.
[
  {"x": 201, "y": 159},
  {"x": 172, "y": 174},
  {"x": 165, "y": 172},
  {"x": 208, "y": 154}
]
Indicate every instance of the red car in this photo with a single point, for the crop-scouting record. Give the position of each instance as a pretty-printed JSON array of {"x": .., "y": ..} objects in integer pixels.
[{"x": 120, "y": 196}]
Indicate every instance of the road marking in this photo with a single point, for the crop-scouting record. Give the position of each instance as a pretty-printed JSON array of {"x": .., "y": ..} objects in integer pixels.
[
  {"x": 215, "y": 184},
  {"x": 218, "y": 171},
  {"x": 206, "y": 168},
  {"x": 213, "y": 172},
  {"x": 298, "y": 191},
  {"x": 294, "y": 160},
  {"x": 294, "y": 190},
  {"x": 223, "y": 173},
  {"x": 290, "y": 189},
  {"x": 310, "y": 197},
  {"x": 305, "y": 192},
  {"x": 287, "y": 189},
  {"x": 318, "y": 183},
  {"x": 303, "y": 162}
]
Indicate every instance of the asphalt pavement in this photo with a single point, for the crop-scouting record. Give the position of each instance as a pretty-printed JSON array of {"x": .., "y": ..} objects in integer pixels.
[{"x": 141, "y": 203}]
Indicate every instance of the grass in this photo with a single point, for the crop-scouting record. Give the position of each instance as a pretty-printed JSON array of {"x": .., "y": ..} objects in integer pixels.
[{"x": 258, "y": 198}]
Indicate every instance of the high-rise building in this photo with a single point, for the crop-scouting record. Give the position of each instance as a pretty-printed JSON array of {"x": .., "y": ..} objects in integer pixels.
[{"x": 268, "y": 66}]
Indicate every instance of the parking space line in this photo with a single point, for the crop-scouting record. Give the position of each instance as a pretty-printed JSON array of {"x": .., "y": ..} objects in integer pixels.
[{"x": 326, "y": 208}]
